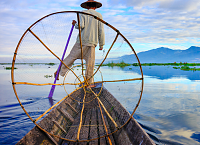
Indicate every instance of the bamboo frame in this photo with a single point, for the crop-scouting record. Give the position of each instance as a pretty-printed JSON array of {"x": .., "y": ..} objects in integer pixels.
[
  {"x": 51, "y": 51},
  {"x": 109, "y": 140},
  {"x": 53, "y": 107},
  {"x": 85, "y": 86},
  {"x": 14, "y": 83},
  {"x": 81, "y": 118},
  {"x": 107, "y": 54},
  {"x": 108, "y": 113}
]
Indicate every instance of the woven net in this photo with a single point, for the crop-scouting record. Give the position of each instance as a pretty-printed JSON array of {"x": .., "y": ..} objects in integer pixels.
[{"x": 76, "y": 113}]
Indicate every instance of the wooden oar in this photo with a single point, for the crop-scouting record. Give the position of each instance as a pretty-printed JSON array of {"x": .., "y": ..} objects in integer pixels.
[{"x": 53, "y": 86}]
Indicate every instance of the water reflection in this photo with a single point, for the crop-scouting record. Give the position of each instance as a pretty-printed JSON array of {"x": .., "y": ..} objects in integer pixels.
[
  {"x": 165, "y": 72},
  {"x": 169, "y": 110}
]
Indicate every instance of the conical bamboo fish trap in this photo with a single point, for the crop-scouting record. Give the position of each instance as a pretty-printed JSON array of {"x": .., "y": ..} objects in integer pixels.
[{"x": 82, "y": 115}]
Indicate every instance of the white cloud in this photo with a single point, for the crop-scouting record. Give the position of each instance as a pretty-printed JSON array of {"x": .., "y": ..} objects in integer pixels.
[{"x": 176, "y": 22}]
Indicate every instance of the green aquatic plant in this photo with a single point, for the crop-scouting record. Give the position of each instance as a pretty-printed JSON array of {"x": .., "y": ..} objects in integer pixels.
[
  {"x": 176, "y": 67},
  {"x": 135, "y": 64},
  {"x": 9, "y": 68},
  {"x": 50, "y": 63},
  {"x": 48, "y": 76},
  {"x": 122, "y": 64},
  {"x": 163, "y": 64},
  {"x": 112, "y": 108},
  {"x": 187, "y": 68}
]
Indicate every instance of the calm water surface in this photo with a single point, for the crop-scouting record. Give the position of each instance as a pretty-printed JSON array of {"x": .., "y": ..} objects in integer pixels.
[{"x": 169, "y": 110}]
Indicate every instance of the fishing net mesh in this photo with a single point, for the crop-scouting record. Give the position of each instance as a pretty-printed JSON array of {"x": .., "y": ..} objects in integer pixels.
[{"x": 76, "y": 113}]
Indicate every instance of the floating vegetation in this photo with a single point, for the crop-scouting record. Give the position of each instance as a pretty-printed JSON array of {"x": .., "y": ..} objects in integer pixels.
[
  {"x": 183, "y": 66},
  {"x": 48, "y": 76},
  {"x": 186, "y": 68},
  {"x": 176, "y": 67},
  {"x": 9, "y": 68},
  {"x": 175, "y": 64},
  {"x": 5, "y": 63},
  {"x": 135, "y": 64},
  {"x": 122, "y": 64},
  {"x": 29, "y": 64},
  {"x": 50, "y": 63}
]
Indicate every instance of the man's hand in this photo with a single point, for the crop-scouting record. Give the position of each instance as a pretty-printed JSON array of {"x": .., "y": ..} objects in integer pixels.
[
  {"x": 73, "y": 22},
  {"x": 100, "y": 48}
]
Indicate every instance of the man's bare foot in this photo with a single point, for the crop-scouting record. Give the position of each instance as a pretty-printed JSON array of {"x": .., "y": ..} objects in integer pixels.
[{"x": 55, "y": 76}]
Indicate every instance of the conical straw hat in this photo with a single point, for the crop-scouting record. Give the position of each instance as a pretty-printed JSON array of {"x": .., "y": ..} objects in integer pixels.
[{"x": 85, "y": 4}]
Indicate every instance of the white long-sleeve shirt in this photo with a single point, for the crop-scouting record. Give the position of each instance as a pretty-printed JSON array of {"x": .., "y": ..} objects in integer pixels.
[{"x": 92, "y": 30}]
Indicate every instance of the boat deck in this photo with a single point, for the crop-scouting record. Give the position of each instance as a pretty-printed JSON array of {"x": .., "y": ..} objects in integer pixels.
[{"x": 92, "y": 122}]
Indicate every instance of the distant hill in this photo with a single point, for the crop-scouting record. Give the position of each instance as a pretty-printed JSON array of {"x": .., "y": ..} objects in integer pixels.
[{"x": 163, "y": 55}]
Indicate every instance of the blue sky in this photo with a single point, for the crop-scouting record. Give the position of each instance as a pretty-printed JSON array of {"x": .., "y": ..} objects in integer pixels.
[{"x": 147, "y": 24}]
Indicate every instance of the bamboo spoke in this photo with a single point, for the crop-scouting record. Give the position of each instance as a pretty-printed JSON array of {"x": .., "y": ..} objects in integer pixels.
[
  {"x": 45, "y": 84},
  {"x": 52, "y": 52},
  {"x": 105, "y": 56},
  {"x": 54, "y": 106},
  {"x": 104, "y": 124},
  {"x": 50, "y": 109},
  {"x": 81, "y": 117},
  {"x": 83, "y": 82},
  {"x": 108, "y": 113},
  {"x": 135, "y": 79}
]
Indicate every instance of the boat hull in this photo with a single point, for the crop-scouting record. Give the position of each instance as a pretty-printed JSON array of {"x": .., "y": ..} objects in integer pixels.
[{"x": 103, "y": 121}]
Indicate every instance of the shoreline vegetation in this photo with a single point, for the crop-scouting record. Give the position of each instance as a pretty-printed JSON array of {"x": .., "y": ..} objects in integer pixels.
[
  {"x": 29, "y": 63},
  {"x": 182, "y": 66}
]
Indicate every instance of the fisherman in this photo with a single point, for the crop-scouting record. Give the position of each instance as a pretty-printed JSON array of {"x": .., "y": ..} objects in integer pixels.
[{"x": 92, "y": 33}]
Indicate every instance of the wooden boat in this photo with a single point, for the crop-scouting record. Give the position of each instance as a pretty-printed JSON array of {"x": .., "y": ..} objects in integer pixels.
[{"x": 91, "y": 122}]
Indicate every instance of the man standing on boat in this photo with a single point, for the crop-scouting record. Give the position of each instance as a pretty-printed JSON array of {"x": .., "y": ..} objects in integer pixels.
[{"x": 92, "y": 33}]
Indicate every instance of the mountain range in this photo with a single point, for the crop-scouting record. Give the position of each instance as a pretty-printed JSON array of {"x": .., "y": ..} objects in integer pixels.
[{"x": 163, "y": 55}]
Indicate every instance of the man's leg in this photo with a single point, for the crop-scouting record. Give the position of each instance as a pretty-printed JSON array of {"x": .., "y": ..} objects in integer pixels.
[
  {"x": 69, "y": 60},
  {"x": 90, "y": 62}
]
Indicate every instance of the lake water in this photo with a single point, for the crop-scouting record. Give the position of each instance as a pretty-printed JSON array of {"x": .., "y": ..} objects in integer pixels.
[{"x": 169, "y": 110}]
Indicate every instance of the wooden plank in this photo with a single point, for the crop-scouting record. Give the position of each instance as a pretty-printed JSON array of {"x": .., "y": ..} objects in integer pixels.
[
  {"x": 93, "y": 128},
  {"x": 66, "y": 114},
  {"x": 107, "y": 113},
  {"x": 85, "y": 128},
  {"x": 66, "y": 123},
  {"x": 52, "y": 139},
  {"x": 71, "y": 134},
  {"x": 35, "y": 136},
  {"x": 120, "y": 136},
  {"x": 67, "y": 103},
  {"x": 108, "y": 128},
  {"x": 116, "y": 111},
  {"x": 102, "y": 132},
  {"x": 134, "y": 131},
  {"x": 58, "y": 125}
]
